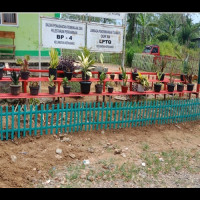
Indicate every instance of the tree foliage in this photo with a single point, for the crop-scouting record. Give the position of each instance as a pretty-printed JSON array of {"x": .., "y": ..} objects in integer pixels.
[{"x": 173, "y": 32}]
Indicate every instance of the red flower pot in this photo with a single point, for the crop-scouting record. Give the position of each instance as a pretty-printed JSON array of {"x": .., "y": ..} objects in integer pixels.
[{"x": 124, "y": 89}]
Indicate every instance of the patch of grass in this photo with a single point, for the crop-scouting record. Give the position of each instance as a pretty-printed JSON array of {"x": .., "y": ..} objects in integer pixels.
[
  {"x": 74, "y": 171},
  {"x": 172, "y": 160},
  {"x": 145, "y": 147},
  {"x": 52, "y": 172}
]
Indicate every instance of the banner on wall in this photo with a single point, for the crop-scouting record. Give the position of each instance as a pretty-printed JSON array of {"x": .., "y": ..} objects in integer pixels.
[
  {"x": 105, "y": 38},
  {"x": 62, "y": 34}
]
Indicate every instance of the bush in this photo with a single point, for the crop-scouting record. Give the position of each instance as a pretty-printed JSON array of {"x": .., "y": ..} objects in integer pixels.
[
  {"x": 130, "y": 50},
  {"x": 129, "y": 56}
]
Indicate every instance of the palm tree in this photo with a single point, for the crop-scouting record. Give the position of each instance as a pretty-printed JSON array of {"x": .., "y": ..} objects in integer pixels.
[
  {"x": 144, "y": 21},
  {"x": 188, "y": 31},
  {"x": 131, "y": 21},
  {"x": 169, "y": 24}
]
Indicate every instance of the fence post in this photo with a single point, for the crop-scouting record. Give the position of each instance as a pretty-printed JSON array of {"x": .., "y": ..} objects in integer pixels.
[{"x": 198, "y": 83}]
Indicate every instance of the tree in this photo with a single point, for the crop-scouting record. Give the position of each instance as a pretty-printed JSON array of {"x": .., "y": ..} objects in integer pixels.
[
  {"x": 131, "y": 21},
  {"x": 144, "y": 20},
  {"x": 188, "y": 31}
]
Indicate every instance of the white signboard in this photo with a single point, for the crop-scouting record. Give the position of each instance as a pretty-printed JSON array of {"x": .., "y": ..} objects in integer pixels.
[
  {"x": 114, "y": 15},
  {"x": 62, "y": 34},
  {"x": 108, "y": 15},
  {"x": 101, "y": 38}
]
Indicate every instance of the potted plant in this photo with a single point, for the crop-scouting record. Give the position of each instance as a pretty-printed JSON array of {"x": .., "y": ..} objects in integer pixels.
[
  {"x": 14, "y": 86},
  {"x": 101, "y": 57},
  {"x": 134, "y": 73},
  {"x": 54, "y": 60},
  {"x": 185, "y": 68},
  {"x": 180, "y": 87},
  {"x": 110, "y": 86},
  {"x": 158, "y": 85},
  {"x": 86, "y": 63},
  {"x": 24, "y": 67},
  {"x": 85, "y": 66},
  {"x": 120, "y": 75},
  {"x": 67, "y": 66},
  {"x": 66, "y": 86},
  {"x": 1, "y": 70},
  {"x": 162, "y": 66},
  {"x": 124, "y": 87},
  {"x": 85, "y": 87},
  {"x": 52, "y": 86},
  {"x": 99, "y": 85},
  {"x": 189, "y": 77},
  {"x": 34, "y": 87},
  {"x": 171, "y": 85},
  {"x": 112, "y": 76},
  {"x": 142, "y": 82}
]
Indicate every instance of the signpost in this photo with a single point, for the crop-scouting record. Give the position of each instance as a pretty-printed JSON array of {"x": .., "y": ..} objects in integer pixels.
[
  {"x": 104, "y": 38},
  {"x": 62, "y": 34}
]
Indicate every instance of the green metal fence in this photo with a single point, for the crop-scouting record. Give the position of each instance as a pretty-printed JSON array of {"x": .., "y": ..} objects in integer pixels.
[{"x": 48, "y": 119}]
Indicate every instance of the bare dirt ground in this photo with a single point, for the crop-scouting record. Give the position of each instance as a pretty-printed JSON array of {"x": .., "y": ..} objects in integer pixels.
[{"x": 151, "y": 156}]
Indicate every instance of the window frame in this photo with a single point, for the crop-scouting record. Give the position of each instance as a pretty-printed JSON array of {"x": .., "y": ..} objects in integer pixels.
[
  {"x": 155, "y": 48},
  {"x": 8, "y": 24}
]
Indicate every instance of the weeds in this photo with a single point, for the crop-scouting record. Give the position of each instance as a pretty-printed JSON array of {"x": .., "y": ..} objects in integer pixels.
[{"x": 157, "y": 164}]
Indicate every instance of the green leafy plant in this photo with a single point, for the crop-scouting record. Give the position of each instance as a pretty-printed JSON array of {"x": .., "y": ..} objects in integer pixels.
[
  {"x": 185, "y": 66},
  {"x": 54, "y": 59},
  {"x": 33, "y": 84},
  {"x": 159, "y": 75},
  {"x": 102, "y": 78},
  {"x": 51, "y": 81},
  {"x": 86, "y": 64},
  {"x": 24, "y": 63},
  {"x": 142, "y": 79},
  {"x": 189, "y": 76},
  {"x": 188, "y": 69},
  {"x": 34, "y": 102},
  {"x": 110, "y": 84},
  {"x": 124, "y": 75},
  {"x": 180, "y": 83},
  {"x": 15, "y": 78},
  {"x": 65, "y": 81},
  {"x": 101, "y": 57}
]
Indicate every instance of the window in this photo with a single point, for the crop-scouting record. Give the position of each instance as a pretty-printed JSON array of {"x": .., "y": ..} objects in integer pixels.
[
  {"x": 155, "y": 50},
  {"x": 8, "y": 19},
  {"x": 147, "y": 49}
]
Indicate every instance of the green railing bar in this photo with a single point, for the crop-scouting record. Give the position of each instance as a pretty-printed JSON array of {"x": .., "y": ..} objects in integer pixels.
[
  {"x": 6, "y": 123},
  {"x": 13, "y": 123},
  {"x": 52, "y": 118},
  {"x": 46, "y": 111},
  {"x": 98, "y": 110},
  {"x": 18, "y": 134}
]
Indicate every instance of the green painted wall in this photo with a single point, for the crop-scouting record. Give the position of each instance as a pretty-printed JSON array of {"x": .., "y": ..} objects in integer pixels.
[{"x": 26, "y": 34}]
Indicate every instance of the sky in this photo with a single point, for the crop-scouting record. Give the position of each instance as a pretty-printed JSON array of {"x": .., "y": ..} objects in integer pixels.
[{"x": 195, "y": 17}]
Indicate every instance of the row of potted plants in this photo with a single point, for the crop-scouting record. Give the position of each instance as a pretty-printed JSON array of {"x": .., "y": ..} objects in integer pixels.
[
  {"x": 34, "y": 85},
  {"x": 86, "y": 62}
]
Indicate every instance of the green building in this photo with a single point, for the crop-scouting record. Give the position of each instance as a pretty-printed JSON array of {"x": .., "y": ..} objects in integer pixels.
[{"x": 25, "y": 26}]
